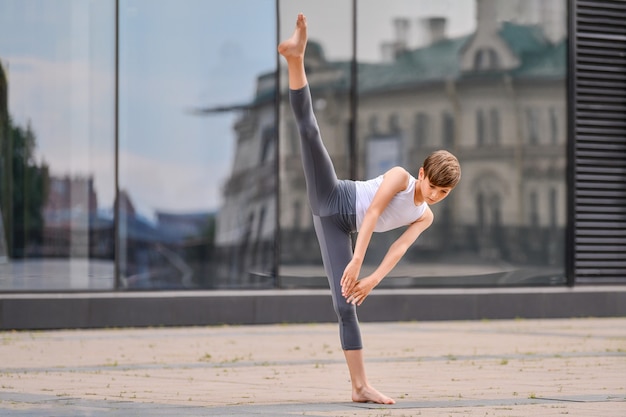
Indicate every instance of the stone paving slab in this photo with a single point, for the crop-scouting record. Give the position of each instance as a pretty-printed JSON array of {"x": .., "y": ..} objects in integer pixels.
[{"x": 473, "y": 368}]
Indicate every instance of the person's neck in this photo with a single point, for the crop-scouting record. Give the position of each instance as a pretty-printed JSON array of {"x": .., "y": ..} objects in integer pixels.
[{"x": 418, "y": 198}]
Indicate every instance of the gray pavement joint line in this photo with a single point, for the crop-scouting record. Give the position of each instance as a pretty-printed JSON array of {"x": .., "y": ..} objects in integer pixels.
[
  {"x": 550, "y": 334},
  {"x": 284, "y": 409},
  {"x": 313, "y": 362},
  {"x": 39, "y": 399},
  {"x": 48, "y": 335},
  {"x": 369, "y": 333},
  {"x": 276, "y": 410},
  {"x": 522, "y": 333},
  {"x": 586, "y": 398},
  {"x": 148, "y": 334},
  {"x": 489, "y": 402}
]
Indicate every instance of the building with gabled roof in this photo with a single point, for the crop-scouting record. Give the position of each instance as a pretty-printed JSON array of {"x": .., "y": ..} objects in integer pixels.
[{"x": 495, "y": 98}]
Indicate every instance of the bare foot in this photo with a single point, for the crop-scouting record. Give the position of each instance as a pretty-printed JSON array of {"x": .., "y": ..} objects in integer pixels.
[
  {"x": 369, "y": 394},
  {"x": 294, "y": 46}
]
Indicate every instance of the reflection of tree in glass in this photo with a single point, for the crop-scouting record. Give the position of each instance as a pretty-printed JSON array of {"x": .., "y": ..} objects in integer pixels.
[{"x": 23, "y": 183}]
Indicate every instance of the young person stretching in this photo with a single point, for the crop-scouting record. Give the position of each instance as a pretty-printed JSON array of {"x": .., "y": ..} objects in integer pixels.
[{"x": 342, "y": 207}]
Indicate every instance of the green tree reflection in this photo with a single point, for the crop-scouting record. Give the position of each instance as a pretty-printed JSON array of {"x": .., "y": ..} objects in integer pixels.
[{"x": 23, "y": 184}]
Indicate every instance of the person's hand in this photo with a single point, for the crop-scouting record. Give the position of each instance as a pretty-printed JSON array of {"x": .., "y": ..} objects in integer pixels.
[
  {"x": 361, "y": 290},
  {"x": 349, "y": 277}
]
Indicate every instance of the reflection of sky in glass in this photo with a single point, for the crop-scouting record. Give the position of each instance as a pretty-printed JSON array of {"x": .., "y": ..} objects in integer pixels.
[
  {"x": 174, "y": 56},
  {"x": 59, "y": 59},
  {"x": 330, "y": 21}
]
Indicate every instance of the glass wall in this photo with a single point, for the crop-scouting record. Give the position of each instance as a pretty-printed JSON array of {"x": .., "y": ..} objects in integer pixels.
[
  {"x": 196, "y": 180},
  {"x": 485, "y": 80},
  {"x": 57, "y": 159}
]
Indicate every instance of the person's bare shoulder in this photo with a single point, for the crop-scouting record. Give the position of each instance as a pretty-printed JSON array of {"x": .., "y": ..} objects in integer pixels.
[{"x": 398, "y": 176}]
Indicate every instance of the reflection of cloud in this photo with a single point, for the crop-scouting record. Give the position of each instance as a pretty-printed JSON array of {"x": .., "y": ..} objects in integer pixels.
[
  {"x": 171, "y": 60},
  {"x": 231, "y": 80},
  {"x": 69, "y": 105},
  {"x": 175, "y": 187},
  {"x": 169, "y": 159}
]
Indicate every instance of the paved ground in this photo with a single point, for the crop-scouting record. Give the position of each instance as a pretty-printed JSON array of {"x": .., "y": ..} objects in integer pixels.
[{"x": 574, "y": 367}]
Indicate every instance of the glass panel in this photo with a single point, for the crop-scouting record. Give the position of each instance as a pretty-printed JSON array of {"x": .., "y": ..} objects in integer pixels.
[
  {"x": 328, "y": 61},
  {"x": 485, "y": 80},
  {"x": 197, "y": 143},
  {"x": 56, "y": 144}
]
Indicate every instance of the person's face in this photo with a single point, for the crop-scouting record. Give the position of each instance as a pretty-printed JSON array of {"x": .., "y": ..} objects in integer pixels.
[{"x": 432, "y": 194}]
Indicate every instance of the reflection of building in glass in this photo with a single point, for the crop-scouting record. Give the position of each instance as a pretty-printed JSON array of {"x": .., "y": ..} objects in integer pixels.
[
  {"x": 495, "y": 98},
  {"x": 72, "y": 226},
  {"x": 246, "y": 223},
  {"x": 176, "y": 251},
  {"x": 549, "y": 15}
]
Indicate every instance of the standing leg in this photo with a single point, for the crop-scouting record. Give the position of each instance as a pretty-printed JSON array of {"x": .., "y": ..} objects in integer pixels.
[
  {"x": 336, "y": 248},
  {"x": 335, "y": 244}
]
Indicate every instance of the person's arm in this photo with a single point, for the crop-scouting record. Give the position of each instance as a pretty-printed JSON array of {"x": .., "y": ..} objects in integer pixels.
[
  {"x": 394, "y": 181},
  {"x": 396, "y": 251}
]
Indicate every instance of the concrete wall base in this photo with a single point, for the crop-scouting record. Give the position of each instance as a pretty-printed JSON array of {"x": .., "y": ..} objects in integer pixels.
[{"x": 191, "y": 308}]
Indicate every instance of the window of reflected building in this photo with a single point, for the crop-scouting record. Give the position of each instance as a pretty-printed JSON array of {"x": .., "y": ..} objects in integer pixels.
[
  {"x": 57, "y": 159},
  {"x": 197, "y": 199}
]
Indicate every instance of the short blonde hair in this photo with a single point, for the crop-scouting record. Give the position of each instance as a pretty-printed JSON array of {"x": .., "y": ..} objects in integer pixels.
[{"x": 442, "y": 169}]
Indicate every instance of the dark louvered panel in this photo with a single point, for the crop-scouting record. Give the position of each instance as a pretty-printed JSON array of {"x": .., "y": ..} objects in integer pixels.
[{"x": 600, "y": 141}]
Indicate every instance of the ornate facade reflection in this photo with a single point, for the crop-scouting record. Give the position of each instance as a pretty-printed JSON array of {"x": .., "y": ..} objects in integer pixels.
[
  {"x": 246, "y": 223},
  {"x": 496, "y": 98},
  {"x": 206, "y": 205}
]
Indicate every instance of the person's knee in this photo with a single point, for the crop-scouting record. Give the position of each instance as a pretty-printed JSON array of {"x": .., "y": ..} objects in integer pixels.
[
  {"x": 349, "y": 326},
  {"x": 345, "y": 312}
]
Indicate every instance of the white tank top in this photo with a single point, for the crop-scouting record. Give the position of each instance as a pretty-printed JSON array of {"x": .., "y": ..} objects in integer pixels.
[{"x": 401, "y": 210}]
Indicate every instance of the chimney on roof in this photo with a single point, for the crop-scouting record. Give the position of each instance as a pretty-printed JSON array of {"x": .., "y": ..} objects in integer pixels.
[
  {"x": 391, "y": 50},
  {"x": 401, "y": 26},
  {"x": 435, "y": 29}
]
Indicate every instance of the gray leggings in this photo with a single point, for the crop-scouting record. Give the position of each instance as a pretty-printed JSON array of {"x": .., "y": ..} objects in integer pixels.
[{"x": 332, "y": 203}]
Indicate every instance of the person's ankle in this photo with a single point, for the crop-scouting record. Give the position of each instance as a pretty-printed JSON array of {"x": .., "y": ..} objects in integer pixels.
[{"x": 359, "y": 386}]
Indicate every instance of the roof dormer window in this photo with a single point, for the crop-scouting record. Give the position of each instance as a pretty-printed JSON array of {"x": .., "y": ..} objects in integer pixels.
[{"x": 486, "y": 59}]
